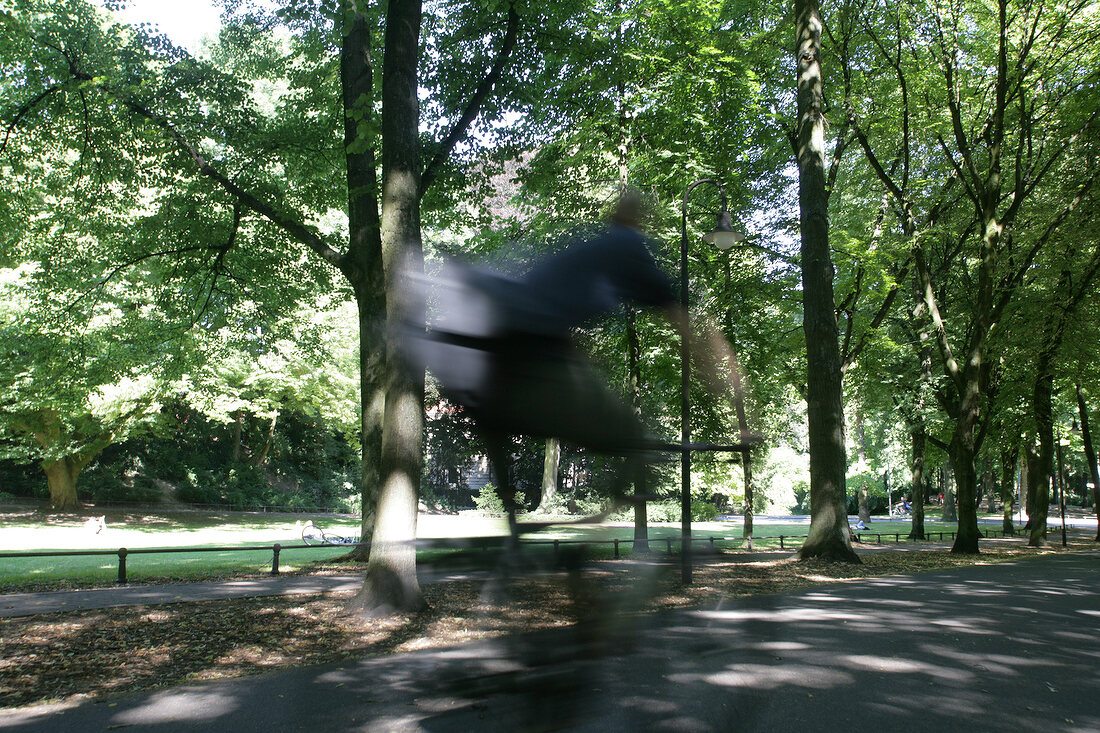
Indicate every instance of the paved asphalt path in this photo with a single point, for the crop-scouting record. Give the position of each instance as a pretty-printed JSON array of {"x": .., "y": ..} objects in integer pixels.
[{"x": 1004, "y": 647}]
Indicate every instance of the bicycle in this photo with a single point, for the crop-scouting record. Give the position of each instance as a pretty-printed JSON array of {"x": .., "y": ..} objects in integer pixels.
[{"x": 314, "y": 535}]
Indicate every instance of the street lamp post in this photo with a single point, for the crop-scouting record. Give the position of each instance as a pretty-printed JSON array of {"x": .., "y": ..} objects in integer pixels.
[{"x": 723, "y": 237}]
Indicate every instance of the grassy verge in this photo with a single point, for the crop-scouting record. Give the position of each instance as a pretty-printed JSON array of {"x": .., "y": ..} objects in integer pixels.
[
  {"x": 26, "y": 530},
  {"x": 61, "y": 573}
]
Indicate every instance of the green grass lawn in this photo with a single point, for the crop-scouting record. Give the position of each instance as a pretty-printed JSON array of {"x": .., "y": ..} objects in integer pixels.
[{"x": 27, "y": 531}]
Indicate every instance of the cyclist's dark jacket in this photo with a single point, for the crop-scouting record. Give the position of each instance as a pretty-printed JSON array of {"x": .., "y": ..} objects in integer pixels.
[
  {"x": 500, "y": 347},
  {"x": 594, "y": 277}
]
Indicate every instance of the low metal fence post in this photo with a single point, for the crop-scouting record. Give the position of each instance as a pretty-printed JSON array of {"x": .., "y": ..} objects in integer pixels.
[
  {"x": 781, "y": 547},
  {"x": 616, "y": 548},
  {"x": 122, "y": 565},
  {"x": 275, "y": 558}
]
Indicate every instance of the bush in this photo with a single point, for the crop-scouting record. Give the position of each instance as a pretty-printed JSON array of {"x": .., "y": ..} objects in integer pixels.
[
  {"x": 488, "y": 501},
  {"x": 22, "y": 479},
  {"x": 663, "y": 511},
  {"x": 703, "y": 511}
]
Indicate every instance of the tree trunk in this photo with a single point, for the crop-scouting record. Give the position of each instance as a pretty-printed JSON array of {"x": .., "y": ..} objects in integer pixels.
[
  {"x": 1090, "y": 455},
  {"x": 1030, "y": 470},
  {"x": 550, "y": 463},
  {"x": 865, "y": 504},
  {"x": 391, "y": 583},
  {"x": 634, "y": 388},
  {"x": 1008, "y": 489},
  {"x": 261, "y": 458},
  {"x": 61, "y": 477},
  {"x": 988, "y": 490},
  {"x": 966, "y": 482},
  {"x": 1043, "y": 408},
  {"x": 238, "y": 426},
  {"x": 829, "y": 537},
  {"x": 362, "y": 265},
  {"x": 947, "y": 488},
  {"x": 918, "y": 442},
  {"x": 743, "y": 428}
]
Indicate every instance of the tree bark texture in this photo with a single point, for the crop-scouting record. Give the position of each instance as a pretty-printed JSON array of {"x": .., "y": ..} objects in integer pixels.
[
  {"x": 362, "y": 264},
  {"x": 918, "y": 442},
  {"x": 947, "y": 488},
  {"x": 743, "y": 428},
  {"x": 634, "y": 389},
  {"x": 1030, "y": 470},
  {"x": 391, "y": 583},
  {"x": 988, "y": 491},
  {"x": 865, "y": 504},
  {"x": 1090, "y": 454},
  {"x": 550, "y": 463},
  {"x": 1043, "y": 471},
  {"x": 61, "y": 478},
  {"x": 829, "y": 536},
  {"x": 1009, "y": 457}
]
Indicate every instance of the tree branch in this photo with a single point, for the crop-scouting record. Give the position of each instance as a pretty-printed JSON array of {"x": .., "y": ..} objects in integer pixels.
[
  {"x": 481, "y": 93},
  {"x": 24, "y": 110},
  {"x": 950, "y": 365},
  {"x": 1009, "y": 284},
  {"x": 296, "y": 229}
]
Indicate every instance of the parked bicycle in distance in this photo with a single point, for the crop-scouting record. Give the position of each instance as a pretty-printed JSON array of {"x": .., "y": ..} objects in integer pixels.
[{"x": 314, "y": 535}]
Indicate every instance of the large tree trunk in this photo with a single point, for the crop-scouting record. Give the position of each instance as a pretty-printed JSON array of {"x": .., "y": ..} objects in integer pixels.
[
  {"x": 550, "y": 463},
  {"x": 947, "y": 491},
  {"x": 61, "y": 477},
  {"x": 1043, "y": 409},
  {"x": 966, "y": 481},
  {"x": 238, "y": 428},
  {"x": 634, "y": 388},
  {"x": 743, "y": 429},
  {"x": 1090, "y": 455},
  {"x": 1008, "y": 489},
  {"x": 362, "y": 265},
  {"x": 865, "y": 503},
  {"x": 988, "y": 490},
  {"x": 828, "y": 537},
  {"x": 918, "y": 441},
  {"x": 1030, "y": 469},
  {"x": 370, "y": 303},
  {"x": 391, "y": 583}
]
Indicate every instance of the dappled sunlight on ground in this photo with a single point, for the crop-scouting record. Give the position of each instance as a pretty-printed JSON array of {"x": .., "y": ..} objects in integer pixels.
[{"x": 941, "y": 650}]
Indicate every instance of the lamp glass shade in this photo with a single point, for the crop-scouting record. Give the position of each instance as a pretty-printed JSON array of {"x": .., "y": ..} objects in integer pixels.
[{"x": 723, "y": 237}]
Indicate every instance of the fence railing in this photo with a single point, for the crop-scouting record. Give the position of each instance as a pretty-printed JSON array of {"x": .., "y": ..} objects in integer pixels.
[{"x": 477, "y": 543}]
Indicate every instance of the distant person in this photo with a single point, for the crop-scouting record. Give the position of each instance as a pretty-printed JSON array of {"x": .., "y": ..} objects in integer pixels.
[{"x": 503, "y": 348}]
